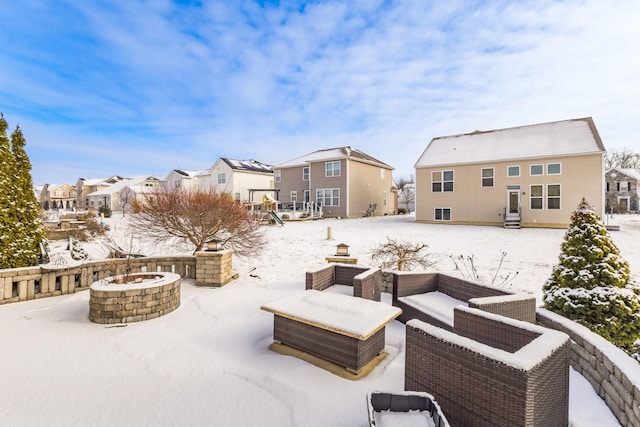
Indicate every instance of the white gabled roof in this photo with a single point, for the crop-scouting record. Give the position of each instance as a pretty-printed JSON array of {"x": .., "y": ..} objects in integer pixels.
[
  {"x": 563, "y": 138},
  {"x": 633, "y": 173},
  {"x": 333, "y": 154},
  {"x": 115, "y": 188}
]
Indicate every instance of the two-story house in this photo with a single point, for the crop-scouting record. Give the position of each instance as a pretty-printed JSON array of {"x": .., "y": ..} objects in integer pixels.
[
  {"x": 57, "y": 196},
  {"x": 120, "y": 195},
  {"x": 622, "y": 191},
  {"x": 345, "y": 181},
  {"x": 185, "y": 180},
  {"x": 529, "y": 176},
  {"x": 246, "y": 180},
  {"x": 85, "y": 187}
]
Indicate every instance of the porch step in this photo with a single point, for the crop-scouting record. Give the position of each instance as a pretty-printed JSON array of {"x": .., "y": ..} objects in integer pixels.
[{"x": 512, "y": 223}]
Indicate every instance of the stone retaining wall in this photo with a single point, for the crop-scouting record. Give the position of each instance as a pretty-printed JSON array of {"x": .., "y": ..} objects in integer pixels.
[
  {"x": 613, "y": 374},
  {"x": 124, "y": 303},
  {"x": 214, "y": 268},
  {"x": 27, "y": 283}
]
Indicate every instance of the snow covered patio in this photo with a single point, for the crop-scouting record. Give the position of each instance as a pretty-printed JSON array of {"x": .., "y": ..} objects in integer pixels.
[{"x": 209, "y": 363}]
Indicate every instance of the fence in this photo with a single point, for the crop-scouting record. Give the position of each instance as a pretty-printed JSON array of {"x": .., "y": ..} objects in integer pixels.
[{"x": 28, "y": 283}]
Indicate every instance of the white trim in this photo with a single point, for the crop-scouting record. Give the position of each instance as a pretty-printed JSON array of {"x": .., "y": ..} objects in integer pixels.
[
  {"x": 513, "y": 176},
  {"x": 555, "y": 197},
  {"x": 541, "y": 169}
]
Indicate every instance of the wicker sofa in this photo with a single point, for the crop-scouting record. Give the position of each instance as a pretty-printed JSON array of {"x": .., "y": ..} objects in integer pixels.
[
  {"x": 408, "y": 288},
  {"x": 490, "y": 370},
  {"x": 366, "y": 282}
]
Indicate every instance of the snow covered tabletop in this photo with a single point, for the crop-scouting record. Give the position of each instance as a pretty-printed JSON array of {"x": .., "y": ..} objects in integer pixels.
[{"x": 355, "y": 317}]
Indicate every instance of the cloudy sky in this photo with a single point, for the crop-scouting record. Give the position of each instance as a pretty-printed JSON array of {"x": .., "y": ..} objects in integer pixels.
[{"x": 135, "y": 87}]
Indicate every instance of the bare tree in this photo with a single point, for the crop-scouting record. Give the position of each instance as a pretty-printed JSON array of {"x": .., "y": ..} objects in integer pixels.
[
  {"x": 127, "y": 197},
  {"x": 196, "y": 216},
  {"x": 624, "y": 158},
  {"x": 401, "y": 256},
  {"x": 467, "y": 267},
  {"x": 407, "y": 191}
]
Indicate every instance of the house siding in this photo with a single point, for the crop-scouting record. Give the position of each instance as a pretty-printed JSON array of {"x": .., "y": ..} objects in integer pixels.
[
  {"x": 367, "y": 186},
  {"x": 470, "y": 203},
  {"x": 319, "y": 180}
]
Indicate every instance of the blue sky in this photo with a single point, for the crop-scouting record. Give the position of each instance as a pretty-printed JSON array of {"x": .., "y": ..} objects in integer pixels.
[{"x": 142, "y": 87}]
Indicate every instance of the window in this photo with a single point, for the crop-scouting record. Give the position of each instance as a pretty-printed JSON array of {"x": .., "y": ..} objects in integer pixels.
[
  {"x": 553, "y": 196},
  {"x": 513, "y": 171},
  {"x": 487, "y": 177},
  {"x": 305, "y": 173},
  {"x": 222, "y": 178},
  {"x": 536, "y": 170},
  {"x": 176, "y": 183},
  {"x": 328, "y": 196},
  {"x": 535, "y": 197},
  {"x": 441, "y": 181},
  {"x": 237, "y": 196},
  {"x": 332, "y": 169},
  {"x": 384, "y": 198},
  {"x": 307, "y": 196},
  {"x": 293, "y": 196},
  {"x": 382, "y": 173},
  {"x": 553, "y": 169},
  {"x": 277, "y": 175},
  {"x": 624, "y": 186},
  {"x": 442, "y": 214}
]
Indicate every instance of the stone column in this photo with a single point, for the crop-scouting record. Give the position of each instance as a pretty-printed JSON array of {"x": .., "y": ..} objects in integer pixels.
[{"x": 213, "y": 268}]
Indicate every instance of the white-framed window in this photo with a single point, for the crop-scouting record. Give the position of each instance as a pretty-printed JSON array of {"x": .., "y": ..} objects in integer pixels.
[
  {"x": 306, "y": 196},
  {"x": 487, "y": 177},
  {"x": 553, "y": 196},
  {"x": 222, "y": 178},
  {"x": 536, "y": 170},
  {"x": 328, "y": 196},
  {"x": 623, "y": 186},
  {"x": 382, "y": 173},
  {"x": 535, "y": 197},
  {"x": 384, "y": 198},
  {"x": 554, "y": 169},
  {"x": 441, "y": 181},
  {"x": 305, "y": 173},
  {"x": 293, "y": 196},
  {"x": 277, "y": 174},
  {"x": 513, "y": 171},
  {"x": 332, "y": 169},
  {"x": 237, "y": 196},
  {"x": 176, "y": 183},
  {"x": 442, "y": 214}
]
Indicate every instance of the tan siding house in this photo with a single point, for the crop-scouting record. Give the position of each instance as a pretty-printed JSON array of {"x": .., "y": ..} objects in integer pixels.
[
  {"x": 345, "y": 181},
  {"x": 529, "y": 176}
]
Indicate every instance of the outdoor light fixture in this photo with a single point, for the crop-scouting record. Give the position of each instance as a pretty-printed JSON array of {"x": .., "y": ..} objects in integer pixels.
[
  {"x": 342, "y": 250},
  {"x": 214, "y": 245}
]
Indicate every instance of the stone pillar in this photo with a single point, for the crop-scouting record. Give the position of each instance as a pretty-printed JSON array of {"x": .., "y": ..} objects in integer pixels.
[{"x": 213, "y": 268}]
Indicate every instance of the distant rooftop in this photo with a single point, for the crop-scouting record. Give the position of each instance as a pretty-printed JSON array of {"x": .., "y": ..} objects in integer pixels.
[
  {"x": 333, "y": 154},
  {"x": 248, "y": 165}
]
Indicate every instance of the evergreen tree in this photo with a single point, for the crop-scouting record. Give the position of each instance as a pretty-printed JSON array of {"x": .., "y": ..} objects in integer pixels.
[
  {"x": 591, "y": 284},
  {"x": 21, "y": 229}
]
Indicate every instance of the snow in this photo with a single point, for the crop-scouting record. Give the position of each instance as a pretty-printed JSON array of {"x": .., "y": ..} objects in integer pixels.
[
  {"x": 437, "y": 304},
  {"x": 209, "y": 363}
]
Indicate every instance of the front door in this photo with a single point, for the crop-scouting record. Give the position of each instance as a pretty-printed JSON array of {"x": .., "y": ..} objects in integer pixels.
[{"x": 513, "y": 202}]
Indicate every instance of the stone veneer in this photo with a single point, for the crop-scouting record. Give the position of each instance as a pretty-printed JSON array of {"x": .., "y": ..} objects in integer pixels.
[
  {"x": 111, "y": 303},
  {"x": 213, "y": 268}
]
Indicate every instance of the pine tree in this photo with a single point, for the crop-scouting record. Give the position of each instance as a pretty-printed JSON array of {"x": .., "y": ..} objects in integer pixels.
[
  {"x": 591, "y": 283},
  {"x": 21, "y": 229}
]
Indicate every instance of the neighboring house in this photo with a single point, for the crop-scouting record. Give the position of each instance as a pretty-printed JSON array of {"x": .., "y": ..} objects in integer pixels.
[
  {"x": 115, "y": 198},
  {"x": 57, "y": 196},
  {"x": 622, "y": 191},
  {"x": 88, "y": 186},
  {"x": 407, "y": 197},
  {"x": 245, "y": 180},
  {"x": 346, "y": 182},
  {"x": 529, "y": 176},
  {"x": 186, "y": 180}
]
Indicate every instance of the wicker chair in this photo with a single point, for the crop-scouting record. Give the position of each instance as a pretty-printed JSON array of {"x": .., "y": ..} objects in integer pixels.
[
  {"x": 366, "y": 282},
  {"x": 485, "y": 297},
  {"x": 490, "y": 370}
]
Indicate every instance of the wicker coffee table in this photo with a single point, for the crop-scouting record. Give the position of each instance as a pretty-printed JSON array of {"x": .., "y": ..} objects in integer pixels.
[{"x": 344, "y": 330}]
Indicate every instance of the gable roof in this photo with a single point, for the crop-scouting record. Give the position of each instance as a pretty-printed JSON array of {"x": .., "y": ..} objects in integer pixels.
[
  {"x": 337, "y": 153},
  {"x": 248, "y": 165},
  {"x": 562, "y": 138},
  {"x": 118, "y": 186},
  {"x": 633, "y": 173},
  {"x": 189, "y": 174}
]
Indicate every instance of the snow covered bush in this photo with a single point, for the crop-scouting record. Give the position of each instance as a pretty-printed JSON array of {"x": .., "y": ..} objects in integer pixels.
[
  {"x": 591, "y": 283},
  {"x": 401, "y": 256}
]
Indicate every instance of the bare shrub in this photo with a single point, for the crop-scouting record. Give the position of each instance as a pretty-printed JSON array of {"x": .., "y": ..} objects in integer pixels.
[
  {"x": 196, "y": 216},
  {"x": 401, "y": 256},
  {"x": 466, "y": 266}
]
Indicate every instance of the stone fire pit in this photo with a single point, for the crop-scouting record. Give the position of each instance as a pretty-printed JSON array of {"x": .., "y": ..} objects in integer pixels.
[{"x": 136, "y": 297}]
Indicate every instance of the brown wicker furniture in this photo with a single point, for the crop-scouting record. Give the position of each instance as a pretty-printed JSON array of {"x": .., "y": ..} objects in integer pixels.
[
  {"x": 408, "y": 288},
  {"x": 409, "y": 408},
  {"x": 344, "y": 330},
  {"x": 490, "y": 370},
  {"x": 366, "y": 282}
]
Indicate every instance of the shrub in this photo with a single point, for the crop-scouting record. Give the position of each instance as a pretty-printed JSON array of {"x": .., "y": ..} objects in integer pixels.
[
  {"x": 105, "y": 210},
  {"x": 591, "y": 283},
  {"x": 402, "y": 211},
  {"x": 401, "y": 256}
]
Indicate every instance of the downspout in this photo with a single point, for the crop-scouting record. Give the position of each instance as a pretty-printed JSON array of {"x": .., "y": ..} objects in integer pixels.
[{"x": 347, "y": 187}]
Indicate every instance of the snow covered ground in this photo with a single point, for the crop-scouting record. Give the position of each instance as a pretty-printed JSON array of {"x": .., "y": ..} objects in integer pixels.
[{"x": 208, "y": 362}]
